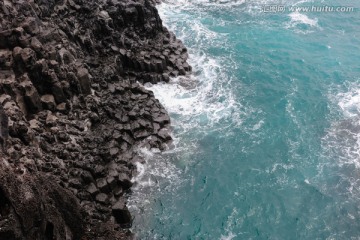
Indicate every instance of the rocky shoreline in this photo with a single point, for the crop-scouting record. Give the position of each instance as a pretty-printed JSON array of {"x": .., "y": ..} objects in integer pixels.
[{"x": 73, "y": 112}]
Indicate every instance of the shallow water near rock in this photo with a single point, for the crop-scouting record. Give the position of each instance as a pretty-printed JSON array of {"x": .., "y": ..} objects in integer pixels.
[{"x": 267, "y": 141}]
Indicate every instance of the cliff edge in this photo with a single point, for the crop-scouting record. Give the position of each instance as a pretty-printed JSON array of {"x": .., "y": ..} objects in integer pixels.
[{"x": 73, "y": 111}]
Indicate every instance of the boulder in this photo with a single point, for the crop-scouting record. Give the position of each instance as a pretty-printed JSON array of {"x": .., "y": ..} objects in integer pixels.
[
  {"x": 122, "y": 214},
  {"x": 92, "y": 189},
  {"x": 102, "y": 198},
  {"x": 32, "y": 100},
  {"x": 103, "y": 185},
  {"x": 125, "y": 181},
  {"x": 84, "y": 80},
  {"x": 30, "y": 25},
  {"x": 36, "y": 44},
  {"x": 57, "y": 91},
  {"x": 28, "y": 57},
  {"x": 6, "y": 59},
  {"x": 48, "y": 102},
  {"x": 164, "y": 134},
  {"x": 65, "y": 57}
]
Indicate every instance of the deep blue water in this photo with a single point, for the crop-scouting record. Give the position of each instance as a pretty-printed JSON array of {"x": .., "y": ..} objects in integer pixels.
[{"x": 267, "y": 129}]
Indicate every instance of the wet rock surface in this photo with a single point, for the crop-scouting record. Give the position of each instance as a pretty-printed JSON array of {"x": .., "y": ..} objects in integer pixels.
[{"x": 73, "y": 112}]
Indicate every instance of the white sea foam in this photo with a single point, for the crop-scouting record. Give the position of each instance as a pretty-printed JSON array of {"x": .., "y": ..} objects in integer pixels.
[
  {"x": 204, "y": 98},
  {"x": 228, "y": 237},
  {"x": 197, "y": 104},
  {"x": 301, "y": 23},
  {"x": 349, "y": 102},
  {"x": 253, "y": 7},
  {"x": 198, "y": 101},
  {"x": 233, "y": 219},
  {"x": 150, "y": 179},
  {"x": 300, "y": 18},
  {"x": 214, "y": 3},
  {"x": 258, "y": 125},
  {"x": 157, "y": 167},
  {"x": 344, "y": 135},
  {"x": 341, "y": 144}
]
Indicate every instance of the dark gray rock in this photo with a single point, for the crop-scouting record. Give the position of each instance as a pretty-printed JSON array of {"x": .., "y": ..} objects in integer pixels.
[
  {"x": 141, "y": 133},
  {"x": 58, "y": 92},
  {"x": 30, "y": 25},
  {"x": 34, "y": 205},
  {"x": 32, "y": 100},
  {"x": 164, "y": 134},
  {"x": 84, "y": 80},
  {"x": 125, "y": 181},
  {"x": 36, "y": 44},
  {"x": 103, "y": 185},
  {"x": 4, "y": 129},
  {"x": 70, "y": 88},
  {"x": 102, "y": 198},
  {"x": 48, "y": 102},
  {"x": 92, "y": 189},
  {"x": 122, "y": 214},
  {"x": 112, "y": 182}
]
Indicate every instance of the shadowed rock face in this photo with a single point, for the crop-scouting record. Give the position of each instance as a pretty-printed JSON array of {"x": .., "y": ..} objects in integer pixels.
[
  {"x": 33, "y": 206},
  {"x": 72, "y": 112},
  {"x": 4, "y": 131}
]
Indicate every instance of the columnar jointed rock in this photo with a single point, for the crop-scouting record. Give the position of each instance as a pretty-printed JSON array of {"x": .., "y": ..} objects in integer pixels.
[{"x": 72, "y": 112}]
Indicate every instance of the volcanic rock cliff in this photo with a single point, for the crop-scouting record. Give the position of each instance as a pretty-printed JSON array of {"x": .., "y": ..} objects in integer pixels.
[{"x": 73, "y": 111}]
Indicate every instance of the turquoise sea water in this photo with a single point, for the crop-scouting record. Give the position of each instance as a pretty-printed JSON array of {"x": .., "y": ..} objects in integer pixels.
[{"x": 267, "y": 129}]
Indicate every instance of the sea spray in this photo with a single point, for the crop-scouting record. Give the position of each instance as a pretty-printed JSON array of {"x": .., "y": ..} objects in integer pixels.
[{"x": 266, "y": 129}]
